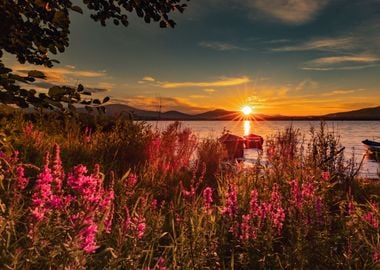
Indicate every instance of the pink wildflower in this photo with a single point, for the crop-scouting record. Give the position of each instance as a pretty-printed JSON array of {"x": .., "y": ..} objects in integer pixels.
[
  {"x": 207, "y": 198},
  {"x": 131, "y": 180},
  {"x": 371, "y": 219},
  {"x": 178, "y": 218},
  {"x": 34, "y": 135},
  {"x": 38, "y": 213},
  {"x": 275, "y": 210},
  {"x": 376, "y": 257},
  {"x": 253, "y": 203},
  {"x": 187, "y": 193},
  {"x": 154, "y": 204},
  {"x": 22, "y": 182},
  {"x": 275, "y": 195},
  {"x": 88, "y": 236},
  {"x": 245, "y": 227},
  {"x": 127, "y": 220},
  {"x": 28, "y": 129},
  {"x": 326, "y": 176},
  {"x": 108, "y": 220},
  {"x": 87, "y": 134},
  {"x": 296, "y": 197},
  {"x": 234, "y": 229},
  {"x": 140, "y": 228},
  {"x": 278, "y": 218},
  {"x": 42, "y": 191},
  {"x": 161, "y": 264},
  {"x": 55, "y": 202},
  {"x": 231, "y": 207},
  {"x": 57, "y": 173},
  {"x": 307, "y": 191},
  {"x": 14, "y": 157},
  {"x": 263, "y": 210},
  {"x": 86, "y": 186}
]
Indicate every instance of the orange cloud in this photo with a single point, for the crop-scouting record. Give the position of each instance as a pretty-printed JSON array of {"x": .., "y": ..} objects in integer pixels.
[
  {"x": 223, "y": 82},
  {"x": 343, "y": 59},
  {"x": 60, "y": 75},
  {"x": 209, "y": 90},
  {"x": 289, "y": 11}
]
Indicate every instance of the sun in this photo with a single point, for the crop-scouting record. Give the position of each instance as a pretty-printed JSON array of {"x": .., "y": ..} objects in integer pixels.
[{"x": 247, "y": 110}]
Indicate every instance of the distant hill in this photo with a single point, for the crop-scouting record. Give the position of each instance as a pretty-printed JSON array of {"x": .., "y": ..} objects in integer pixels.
[
  {"x": 362, "y": 114},
  {"x": 219, "y": 114}
]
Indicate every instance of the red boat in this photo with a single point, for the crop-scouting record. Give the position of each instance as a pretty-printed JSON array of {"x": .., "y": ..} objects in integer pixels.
[
  {"x": 234, "y": 145},
  {"x": 253, "y": 141}
]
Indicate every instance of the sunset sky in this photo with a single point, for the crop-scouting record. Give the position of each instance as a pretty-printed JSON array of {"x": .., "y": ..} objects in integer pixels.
[{"x": 289, "y": 57}]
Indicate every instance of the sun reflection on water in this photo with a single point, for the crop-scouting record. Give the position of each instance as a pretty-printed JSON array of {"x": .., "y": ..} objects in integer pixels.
[{"x": 247, "y": 127}]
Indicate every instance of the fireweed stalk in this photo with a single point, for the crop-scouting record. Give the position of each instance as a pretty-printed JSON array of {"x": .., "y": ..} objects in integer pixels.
[{"x": 79, "y": 198}]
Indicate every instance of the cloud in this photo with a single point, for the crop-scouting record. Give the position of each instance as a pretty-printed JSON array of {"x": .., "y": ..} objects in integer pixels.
[
  {"x": 197, "y": 96},
  {"x": 344, "y": 59},
  {"x": 289, "y": 11},
  {"x": 226, "y": 81},
  {"x": 67, "y": 75},
  {"x": 306, "y": 85},
  {"x": 321, "y": 44},
  {"x": 209, "y": 90},
  {"x": 342, "y": 62},
  {"x": 221, "y": 46},
  {"x": 277, "y": 41},
  {"x": 100, "y": 87},
  {"x": 341, "y": 92},
  {"x": 148, "y": 79},
  {"x": 358, "y": 67},
  {"x": 60, "y": 75}
]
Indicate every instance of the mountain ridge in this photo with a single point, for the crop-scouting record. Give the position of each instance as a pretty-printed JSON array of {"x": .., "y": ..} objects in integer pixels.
[{"x": 372, "y": 113}]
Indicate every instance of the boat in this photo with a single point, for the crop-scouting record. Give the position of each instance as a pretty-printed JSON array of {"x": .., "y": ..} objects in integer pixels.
[
  {"x": 234, "y": 145},
  {"x": 372, "y": 146},
  {"x": 253, "y": 141}
]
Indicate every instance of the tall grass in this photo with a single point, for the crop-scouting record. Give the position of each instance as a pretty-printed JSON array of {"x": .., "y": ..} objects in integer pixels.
[{"x": 164, "y": 200}]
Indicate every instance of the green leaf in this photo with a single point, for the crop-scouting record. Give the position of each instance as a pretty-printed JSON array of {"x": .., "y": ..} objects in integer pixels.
[
  {"x": 52, "y": 49},
  {"x": 80, "y": 88},
  {"x": 96, "y": 101},
  {"x": 36, "y": 74},
  {"x": 77, "y": 9},
  {"x": 163, "y": 24},
  {"x": 17, "y": 78},
  {"x": 54, "y": 103},
  {"x": 56, "y": 91}
]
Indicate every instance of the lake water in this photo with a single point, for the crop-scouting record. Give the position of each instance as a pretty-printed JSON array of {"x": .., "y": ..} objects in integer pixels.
[{"x": 351, "y": 134}]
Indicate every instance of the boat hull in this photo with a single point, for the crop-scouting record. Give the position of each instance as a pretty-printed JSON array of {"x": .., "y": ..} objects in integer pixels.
[{"x": 372, "y": 146}]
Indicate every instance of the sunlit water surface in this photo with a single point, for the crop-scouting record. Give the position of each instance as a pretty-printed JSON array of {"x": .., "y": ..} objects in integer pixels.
[{"x": 351, "y": 134}]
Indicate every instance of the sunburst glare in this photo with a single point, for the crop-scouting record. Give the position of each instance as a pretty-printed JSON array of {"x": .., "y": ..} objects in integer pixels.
[{"x": 247, "y": 110}]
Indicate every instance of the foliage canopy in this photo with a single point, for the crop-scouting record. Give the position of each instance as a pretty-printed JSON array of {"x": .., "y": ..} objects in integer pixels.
[{"x": 31, "y": 30}]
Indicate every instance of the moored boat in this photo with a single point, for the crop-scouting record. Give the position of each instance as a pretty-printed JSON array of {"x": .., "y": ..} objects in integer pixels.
[
  {"x": 253, "y": 141},
  {"x": 234, "y": 145},
  {"x": 372, "y": 146}
]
